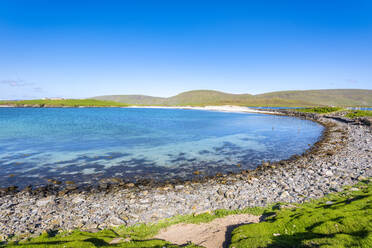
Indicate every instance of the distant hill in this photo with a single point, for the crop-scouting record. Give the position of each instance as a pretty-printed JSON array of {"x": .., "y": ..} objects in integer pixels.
[{"x": 338, "y": 97}]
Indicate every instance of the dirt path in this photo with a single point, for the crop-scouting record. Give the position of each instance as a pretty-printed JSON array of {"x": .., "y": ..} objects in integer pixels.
[{"x": 215, "y": 234}]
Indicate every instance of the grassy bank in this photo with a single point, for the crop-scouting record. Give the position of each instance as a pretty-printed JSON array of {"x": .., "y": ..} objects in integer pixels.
[
  {"x": 359, "y": 113},
  {"x": 139, "y": 235},
  {"x": 338, "y": 220},
  {"x": 347, "y": 113},
  {"x": 319, "y": 110},
  {"x": 64, "y": 103}
]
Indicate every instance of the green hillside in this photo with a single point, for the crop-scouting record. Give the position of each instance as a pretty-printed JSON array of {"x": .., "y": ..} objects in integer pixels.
[
  {"x": 339, "y": 97},
  {"x": 133, "y": 99},
  {"x": 207, "y": 97}
]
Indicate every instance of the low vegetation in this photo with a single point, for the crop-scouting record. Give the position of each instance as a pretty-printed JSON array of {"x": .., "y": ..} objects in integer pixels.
[
  {"x": 80, "y": 239},
  {"x": 65, "y": 103},
  {"x": 320, "y": 110},
  {"x": 341, "y": 219},
  {"x": 136, "y": 236},
  {"x": 359, "y": 113},
  {"x": 338, "y": 220}
]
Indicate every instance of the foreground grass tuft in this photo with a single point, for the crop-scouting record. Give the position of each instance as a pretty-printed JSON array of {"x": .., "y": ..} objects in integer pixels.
[{"x": 338, "y": 220}]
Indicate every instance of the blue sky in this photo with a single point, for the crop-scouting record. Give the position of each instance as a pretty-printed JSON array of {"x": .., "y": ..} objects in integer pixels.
[{"x": 87, "y": 48}]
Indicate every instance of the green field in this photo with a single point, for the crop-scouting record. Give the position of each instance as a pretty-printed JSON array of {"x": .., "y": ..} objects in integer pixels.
[
  {"x": 65, "y": 103},
  {"x": 338, "y": 220}
]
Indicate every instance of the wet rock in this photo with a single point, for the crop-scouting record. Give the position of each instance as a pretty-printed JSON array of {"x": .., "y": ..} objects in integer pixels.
[{"x": 130, "y": 185}]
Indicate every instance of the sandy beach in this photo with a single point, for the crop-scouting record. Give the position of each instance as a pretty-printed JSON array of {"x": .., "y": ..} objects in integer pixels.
[{"x": 222, "y": 108}]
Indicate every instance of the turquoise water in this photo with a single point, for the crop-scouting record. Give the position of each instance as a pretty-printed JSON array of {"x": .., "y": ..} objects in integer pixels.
[{"x": 88, "y": 144}]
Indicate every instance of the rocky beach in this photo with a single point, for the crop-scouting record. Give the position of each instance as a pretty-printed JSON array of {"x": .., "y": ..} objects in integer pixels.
[{"x": 342, "y": 157}]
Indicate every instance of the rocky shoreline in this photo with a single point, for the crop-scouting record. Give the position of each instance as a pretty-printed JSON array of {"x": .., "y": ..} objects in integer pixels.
[{"x": 342, "y": 157}]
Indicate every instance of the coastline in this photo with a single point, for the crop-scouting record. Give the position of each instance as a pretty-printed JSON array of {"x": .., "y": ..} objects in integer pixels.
[
  {"x": 339, "y": 158},
  {"x": 221, "y": 108}
]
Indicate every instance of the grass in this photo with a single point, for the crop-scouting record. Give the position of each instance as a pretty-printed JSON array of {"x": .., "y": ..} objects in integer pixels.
[
  {"x": 326, "y": 110},
  {"x": 320, "y": 110},
  {"x": 338, "y": 220},
  {"x": 140, "y": 235},
  {"x": 66, "y": 103},
  {"x": 84, "y": 239},
  {"x": 359, "y": 113}
]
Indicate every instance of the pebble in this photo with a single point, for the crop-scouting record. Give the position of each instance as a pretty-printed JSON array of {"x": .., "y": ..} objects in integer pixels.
[{"x": 329, "y": 173}]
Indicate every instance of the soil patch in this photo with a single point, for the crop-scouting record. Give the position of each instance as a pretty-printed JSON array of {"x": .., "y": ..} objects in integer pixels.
[{"x": 215, "y": 234}]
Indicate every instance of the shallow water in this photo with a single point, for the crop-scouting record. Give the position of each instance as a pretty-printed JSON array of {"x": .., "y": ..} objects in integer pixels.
[{"x": 87, "y": 144}]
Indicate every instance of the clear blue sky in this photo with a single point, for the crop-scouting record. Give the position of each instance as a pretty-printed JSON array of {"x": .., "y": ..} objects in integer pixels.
[{"x": 88, "y": 48}]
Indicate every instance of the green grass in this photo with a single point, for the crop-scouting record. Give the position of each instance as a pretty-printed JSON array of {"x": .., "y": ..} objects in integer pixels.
[
  {"x": 319, "y": 110},
  {"x": 359, "y": 113},
  {"x": 338, "y": 220},
  {"x": 84, "y": 239},
  {"x": 66, "y": 103},
  {"x": 140, "y": 235}
]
